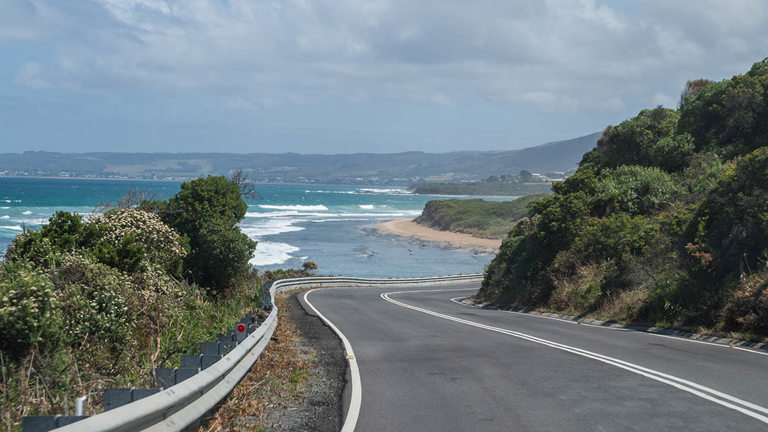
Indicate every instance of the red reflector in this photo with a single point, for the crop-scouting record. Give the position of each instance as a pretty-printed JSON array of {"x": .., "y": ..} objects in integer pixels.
[{"x": 241, "y": 328}]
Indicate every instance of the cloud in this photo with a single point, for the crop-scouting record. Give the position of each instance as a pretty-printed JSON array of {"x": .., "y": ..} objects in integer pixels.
[
  {"x": 29, "y": 76},
  {"x": 441, "y": 99},
  {"x": 554, "y": 55},
  {"x": 238, "y": 103}
]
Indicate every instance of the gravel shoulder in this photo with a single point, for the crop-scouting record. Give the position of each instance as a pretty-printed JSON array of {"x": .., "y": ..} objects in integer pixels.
[
  {"x": 297, "y": 383},
  {"x": 323, "y": 409}
]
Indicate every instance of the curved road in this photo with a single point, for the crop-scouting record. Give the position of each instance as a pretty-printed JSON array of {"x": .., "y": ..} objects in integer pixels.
[{"x": 428, "y": 363}]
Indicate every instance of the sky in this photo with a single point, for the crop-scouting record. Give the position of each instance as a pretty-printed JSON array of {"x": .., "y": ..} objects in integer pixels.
[{"x": 348, "y": 76}]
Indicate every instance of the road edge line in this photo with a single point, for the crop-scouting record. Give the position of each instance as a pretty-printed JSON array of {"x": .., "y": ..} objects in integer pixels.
[
  {"x": 696, "y": 389},
  {"x": 680, "y": 335},
  {"x": 355, "y": 400}
]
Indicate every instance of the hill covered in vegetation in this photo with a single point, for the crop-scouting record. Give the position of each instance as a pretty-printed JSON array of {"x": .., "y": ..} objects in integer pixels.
[
  {"x": 664, "y": 222},
  {"x": 480, "y": 218}
]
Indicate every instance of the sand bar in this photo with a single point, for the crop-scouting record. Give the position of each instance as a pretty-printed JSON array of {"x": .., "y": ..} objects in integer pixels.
[{"x": 409, "y": 228}]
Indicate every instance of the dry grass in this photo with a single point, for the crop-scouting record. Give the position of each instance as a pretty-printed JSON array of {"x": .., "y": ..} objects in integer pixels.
[
  {"x": 624, "y": 307},
  {"x": 275, "y": 383},
  {"x": 577, "y": 293}
]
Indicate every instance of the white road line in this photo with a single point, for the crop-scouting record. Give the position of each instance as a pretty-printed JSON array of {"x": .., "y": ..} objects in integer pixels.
[
  {"x": 568, "y": 321},
  {"x": 356, "y": 396},
  {"x": 712, "y": 395}
]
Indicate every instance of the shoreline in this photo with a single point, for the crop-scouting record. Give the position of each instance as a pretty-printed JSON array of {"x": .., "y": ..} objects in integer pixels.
[{"x": 409, "y": 228}]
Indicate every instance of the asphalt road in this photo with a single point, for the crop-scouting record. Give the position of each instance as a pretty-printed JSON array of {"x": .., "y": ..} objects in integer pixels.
[{"x": 430, "y": 364}]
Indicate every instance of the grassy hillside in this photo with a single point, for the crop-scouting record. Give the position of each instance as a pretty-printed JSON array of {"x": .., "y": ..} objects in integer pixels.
[
  {"x": 664, "y": 222},
  {"x": 486, "y": 219}
]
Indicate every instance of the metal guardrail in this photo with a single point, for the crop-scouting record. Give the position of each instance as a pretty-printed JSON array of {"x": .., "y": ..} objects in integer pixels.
[{"x": 180, "y": 405}]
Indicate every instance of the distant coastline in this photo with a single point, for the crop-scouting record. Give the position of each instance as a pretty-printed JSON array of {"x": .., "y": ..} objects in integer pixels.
[
  {"x": 373, "y": 169},
  {"x": 95, "y": 178}
]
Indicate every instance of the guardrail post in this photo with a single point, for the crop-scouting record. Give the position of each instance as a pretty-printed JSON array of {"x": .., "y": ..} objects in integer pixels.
[
  {"x": 47, "y": 423},
  {"x": 190, "y": 361},
  {"x": 226, "y": 347},
  {"x": 208, "y": 360},
  {"x": 165, "y": 377},
  {"x": 209, "y": 348},
  {"x": 116, "y": 397},
  {"x": 183, "y": 374},
  {"x": 266, "y": 296}
]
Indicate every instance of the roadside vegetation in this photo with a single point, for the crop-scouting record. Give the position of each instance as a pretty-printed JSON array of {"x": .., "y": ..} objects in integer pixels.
[
  {"x": 87, "y": 304},
  {"x": 480, "y": 218},
  {"x": 665, "y": 222}
]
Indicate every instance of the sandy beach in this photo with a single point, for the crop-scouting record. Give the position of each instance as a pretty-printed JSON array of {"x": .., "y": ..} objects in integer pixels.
[{"x": 408, "y": 228}]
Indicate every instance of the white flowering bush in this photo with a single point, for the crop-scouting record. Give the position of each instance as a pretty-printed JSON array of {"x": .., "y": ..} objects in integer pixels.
[
  {"x": 28, "y": 308},
  {"x": 93, "y": 302},
  {"x": 161, "y": 244}
]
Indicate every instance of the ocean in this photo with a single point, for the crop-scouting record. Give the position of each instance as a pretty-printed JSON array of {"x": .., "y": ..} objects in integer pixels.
[{"x": 335, "y": 226}]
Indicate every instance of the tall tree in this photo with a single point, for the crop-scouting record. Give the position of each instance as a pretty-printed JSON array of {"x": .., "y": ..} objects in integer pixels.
[{"x": 207, "y": 211}]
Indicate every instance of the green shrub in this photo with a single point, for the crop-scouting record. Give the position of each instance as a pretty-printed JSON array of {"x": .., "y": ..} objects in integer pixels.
[
  {"x": 127, "y": 256},
  {"x": 518, "y": 273},
  {"x": 636, "y": 141},
  {"x": 29, "y": 312},
  {"x": 700, "y": 175},
  {"x": 206, "y": 211},
  {"x": 583, "y": 180},
  {"x": 671, "y": 153},
  {"x": 730, "y": 116},
  {"x": 64, "y": 233},
  {"x": 612, "y": 238},
  {"x": 732, "y": 223},
  {"x": 559, "y": 218},
  {"x": 636, "y": 190}
]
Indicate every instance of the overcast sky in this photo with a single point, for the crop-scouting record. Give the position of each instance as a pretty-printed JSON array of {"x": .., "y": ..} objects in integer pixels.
[{"x": 342, "y": 76}]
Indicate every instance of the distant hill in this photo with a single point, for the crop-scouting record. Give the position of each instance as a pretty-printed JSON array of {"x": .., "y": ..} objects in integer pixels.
[{"x": 360, "y": 168}]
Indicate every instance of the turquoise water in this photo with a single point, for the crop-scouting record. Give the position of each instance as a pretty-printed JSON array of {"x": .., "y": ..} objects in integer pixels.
[{"x": 331, "y": 225}]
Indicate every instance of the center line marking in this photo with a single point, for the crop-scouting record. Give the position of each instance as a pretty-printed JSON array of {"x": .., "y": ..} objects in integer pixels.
[{"x": 712, "y": 395}]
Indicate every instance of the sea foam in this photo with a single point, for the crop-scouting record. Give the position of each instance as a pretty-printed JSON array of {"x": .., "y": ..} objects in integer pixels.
[
  {"x": 256, "y": 230},
  {"x": 295, "y": 207},
  {"x": 272, "y": 253}
]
